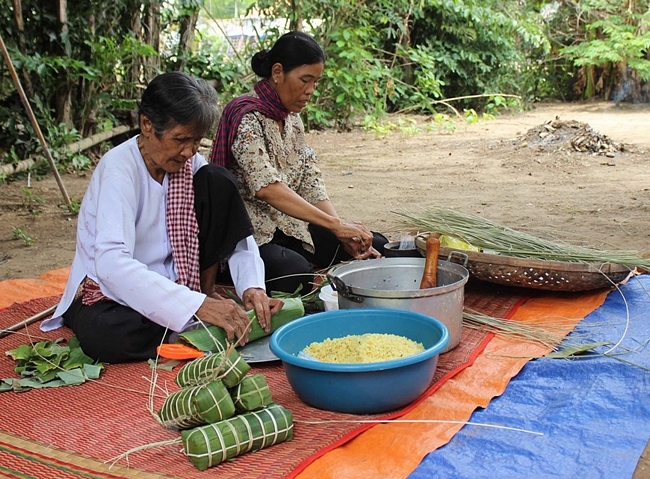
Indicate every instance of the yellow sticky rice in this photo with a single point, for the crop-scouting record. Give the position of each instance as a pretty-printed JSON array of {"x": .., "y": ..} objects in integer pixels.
[{"x": 363, "y": 348}]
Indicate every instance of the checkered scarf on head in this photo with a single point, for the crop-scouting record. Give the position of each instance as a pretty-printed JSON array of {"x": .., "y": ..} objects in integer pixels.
[
  {"x": 183, "y": 231},
  {"x": 268, "y": 103}
]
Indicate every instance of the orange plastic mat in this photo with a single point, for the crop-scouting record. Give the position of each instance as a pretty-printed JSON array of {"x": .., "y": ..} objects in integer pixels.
[{"x": 19, "y": 290}]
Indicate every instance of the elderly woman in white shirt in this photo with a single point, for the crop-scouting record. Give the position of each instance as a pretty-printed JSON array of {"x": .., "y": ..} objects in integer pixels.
[{"x": 154, "y": 226}]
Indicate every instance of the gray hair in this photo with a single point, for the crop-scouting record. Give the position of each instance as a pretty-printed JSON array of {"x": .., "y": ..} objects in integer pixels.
[{"x": 176, "y": 98}]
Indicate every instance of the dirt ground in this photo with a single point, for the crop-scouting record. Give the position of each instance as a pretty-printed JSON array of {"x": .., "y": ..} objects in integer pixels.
[
  {"x": 512, "y": 170},
  {"x": 501, "y": 169}
]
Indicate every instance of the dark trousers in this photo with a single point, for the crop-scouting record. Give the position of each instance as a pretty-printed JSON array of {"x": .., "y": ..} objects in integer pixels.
[
  {"x": 113, "y": 333},
  {"x": 290, "y": 268}
]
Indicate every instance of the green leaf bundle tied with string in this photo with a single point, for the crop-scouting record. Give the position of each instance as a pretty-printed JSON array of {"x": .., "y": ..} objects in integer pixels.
[
  {"x": 197, "y": 405},
  {"x": 209, "y": 445},
  {"x": 251, "y": 394},
  {"x": 220, "y": 412},
  {"x": 214, "y": 338},
  {"x": 228, "y": 366}
]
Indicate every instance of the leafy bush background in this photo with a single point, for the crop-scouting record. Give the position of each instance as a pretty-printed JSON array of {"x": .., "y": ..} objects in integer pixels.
[{"x": 84, "y": 73}]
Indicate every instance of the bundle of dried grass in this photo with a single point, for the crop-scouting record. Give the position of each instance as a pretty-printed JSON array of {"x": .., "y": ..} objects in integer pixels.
[
  {"x": 485, "y": 234},
  {"x": 548, "y": 333}
]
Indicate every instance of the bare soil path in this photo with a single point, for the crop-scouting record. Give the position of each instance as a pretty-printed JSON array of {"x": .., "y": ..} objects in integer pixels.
[{"x": 495, "y": 168}]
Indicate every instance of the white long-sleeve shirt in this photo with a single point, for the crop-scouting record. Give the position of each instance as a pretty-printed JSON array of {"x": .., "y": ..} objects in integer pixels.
[{"x": 123, "y": 245}]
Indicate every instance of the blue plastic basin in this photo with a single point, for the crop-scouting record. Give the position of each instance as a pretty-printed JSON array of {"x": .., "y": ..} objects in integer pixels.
[{"x": 368, "y": 388}]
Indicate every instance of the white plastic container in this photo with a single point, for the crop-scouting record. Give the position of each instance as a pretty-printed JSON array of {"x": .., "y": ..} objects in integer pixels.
[{"x": 329, "y": 297}]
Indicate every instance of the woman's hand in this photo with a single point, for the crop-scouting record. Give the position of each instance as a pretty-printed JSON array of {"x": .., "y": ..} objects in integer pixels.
[
  {"x": 265, "y": 307},
  {"x": 355, "y": 237},
  {"x": 228, "y": 315},
  {"x": 356, "y": 240}
]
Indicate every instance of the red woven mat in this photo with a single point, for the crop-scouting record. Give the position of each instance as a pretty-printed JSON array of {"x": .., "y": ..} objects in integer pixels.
[{"x": 105, "y": 418}]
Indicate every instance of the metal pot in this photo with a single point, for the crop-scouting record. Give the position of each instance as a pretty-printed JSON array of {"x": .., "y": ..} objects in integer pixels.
[{"x": 394, "y": 283}]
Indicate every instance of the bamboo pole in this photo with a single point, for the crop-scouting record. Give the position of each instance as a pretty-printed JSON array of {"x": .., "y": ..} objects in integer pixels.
[
  {"x": 32, "y": 118},
  {"x": 93, "y": 140},
  {"x": 83, "y": 144},
  {"x": 23, "y": 165},
  {"x": 75, "y": 147},
  {"x": 27, "y": 322}
]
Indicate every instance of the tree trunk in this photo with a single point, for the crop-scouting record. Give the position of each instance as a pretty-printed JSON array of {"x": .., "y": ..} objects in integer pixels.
[
  {"x": 186, "y": 30},
  {"x": 151, "y": 24},
  {"x": 20, "y": 26},
  {"x": 64, "y": 94},
  {"x": 135, "y": 74},
  {"x": 405, "y": 42},
  {"x": 87, "y": 119},
  {"x": 295, "y": 23}
]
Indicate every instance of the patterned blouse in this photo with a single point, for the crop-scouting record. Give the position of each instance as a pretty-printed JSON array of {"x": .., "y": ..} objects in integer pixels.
[{"x": 263, "y": 155}]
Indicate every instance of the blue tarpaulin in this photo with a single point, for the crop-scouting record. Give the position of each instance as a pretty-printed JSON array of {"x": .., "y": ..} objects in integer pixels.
[{"x": 587, "y": 417}]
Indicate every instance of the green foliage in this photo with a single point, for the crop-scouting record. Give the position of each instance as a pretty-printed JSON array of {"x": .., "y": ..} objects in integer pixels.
[
  {"x": 21, "y": 234},
  {"x": 58, "y": 137},
  {"x": 478, "y": 47},
  {"x": 383, "y": 128},
  {"x": 408, "y": 126},
  {"x": 470, "y": 116},
  {"x": 50, "y": 364},
  {"x": 600, "y": 49},
  {"x": 11, "y": 156},
  {"x": 111, "y": 62},
  {"x": 17, "y": 137},
  {"x": 498, "y": 102},
  {"x": 347, "y": 92},
  {"x": 403, "y": 56},
  {"x": 444, "y": 122},
  {"x": 426, "y": 84},
  {"x": 615, "y": 40},
  {"x": 75, "y": 75},
  {"x": 211, "y": 61},
  {"x": 73, "y": 207},
  {"x": 227, "y": 8},
  {"x": 387, "y": 56},
  {"x": 31, "y": 201}
]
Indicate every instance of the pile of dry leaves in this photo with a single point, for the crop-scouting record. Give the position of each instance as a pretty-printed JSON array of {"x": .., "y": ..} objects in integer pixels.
[{"x": 576, "y": 135}]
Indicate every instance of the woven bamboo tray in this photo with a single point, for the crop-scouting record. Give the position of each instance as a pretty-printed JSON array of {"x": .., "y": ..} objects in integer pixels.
[{"x": 532, "y": 273}]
